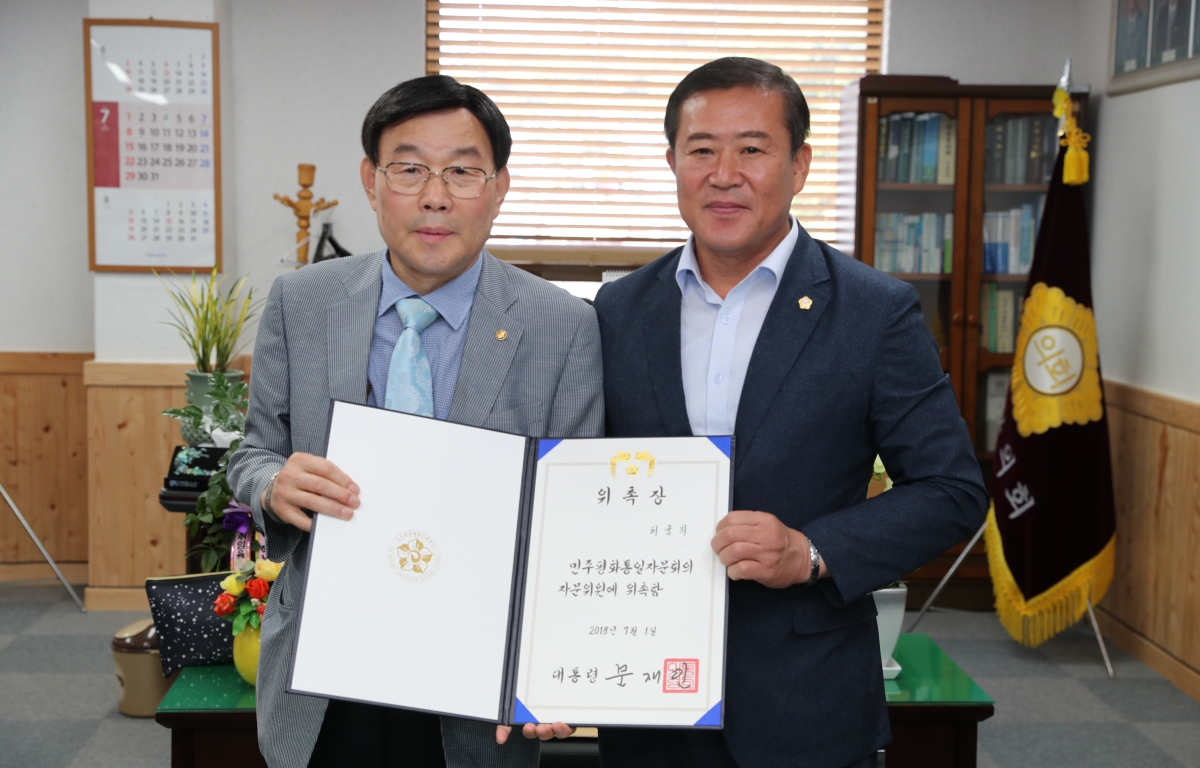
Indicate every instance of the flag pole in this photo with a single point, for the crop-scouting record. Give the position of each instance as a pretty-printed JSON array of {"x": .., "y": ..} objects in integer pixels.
[
  {"x": 12, "y": 505},
  {"x": 950, "y": 573},
  {"x": 1100, "y": 638}
]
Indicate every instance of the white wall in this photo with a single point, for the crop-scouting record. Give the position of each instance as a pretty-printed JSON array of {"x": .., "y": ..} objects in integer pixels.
[
  {"x": 297, "y": 79},
  {"x": 1145, "y": 227},
  {"x": 305, "y": 74},
  {"x": 45, "y": 287},
  {"x": 980, "y": 41}
]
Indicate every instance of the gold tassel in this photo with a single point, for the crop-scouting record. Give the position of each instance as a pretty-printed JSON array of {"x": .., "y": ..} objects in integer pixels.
[
  {"x": 1034, "y": 621},
  {"x": 1075, "y": 164}
]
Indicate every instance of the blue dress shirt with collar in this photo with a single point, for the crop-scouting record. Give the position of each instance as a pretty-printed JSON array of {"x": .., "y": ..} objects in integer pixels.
[
  {"x": 717, "y": 336},
  {"x": 443, "y": 340}
]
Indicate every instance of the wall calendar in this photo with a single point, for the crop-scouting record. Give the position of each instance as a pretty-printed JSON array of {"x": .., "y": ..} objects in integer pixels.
[{"x": 154, "y": 145}]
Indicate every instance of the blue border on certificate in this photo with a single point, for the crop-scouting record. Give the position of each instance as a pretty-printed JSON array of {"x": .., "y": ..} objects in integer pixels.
[{"x": 724, "y": 445}]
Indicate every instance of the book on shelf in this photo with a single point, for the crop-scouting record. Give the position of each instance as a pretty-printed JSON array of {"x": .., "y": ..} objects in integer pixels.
[
  {"x": 904, "y": 161},
  {"x": 1009, "y": 238},
  {"x": 917, "y": 155},
  {"x": 907, "y": 243},
  {"x": 1005, "y": 304},
  {"x": 893, "y": 145},
  {"x": 1000, "y": 316},
  {"x": 1020, "y": 150},
  {"x": 946, "y": 150},
  {"x": 917, "y": 148},
  {"x": 881, "y": 151}
]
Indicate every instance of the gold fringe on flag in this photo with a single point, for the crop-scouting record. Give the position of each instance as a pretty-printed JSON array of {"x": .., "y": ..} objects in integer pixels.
[{"x": 1034, "y": 621}]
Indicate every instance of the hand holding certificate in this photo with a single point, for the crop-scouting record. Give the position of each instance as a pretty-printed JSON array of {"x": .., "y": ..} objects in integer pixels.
[{"x": 519, "y": 580}]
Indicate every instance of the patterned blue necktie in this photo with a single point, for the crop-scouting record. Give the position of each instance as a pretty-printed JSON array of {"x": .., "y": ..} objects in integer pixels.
[{"x": 410, "y": 384}]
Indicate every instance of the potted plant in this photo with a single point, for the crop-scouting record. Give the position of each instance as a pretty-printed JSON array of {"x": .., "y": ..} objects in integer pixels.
[
  {"x": 211, "y": 321},
  {"x": 218, "y": 521}
]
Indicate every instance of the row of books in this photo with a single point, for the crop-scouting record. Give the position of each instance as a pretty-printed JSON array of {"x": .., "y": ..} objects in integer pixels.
[
  {"x": 999, "y": 317},
  {"x": 1009, "y": 237},
  {"x": 1021, "y": 150},
  {"x": 921, "y": 242},
  {"x": 917, "y": 148}
]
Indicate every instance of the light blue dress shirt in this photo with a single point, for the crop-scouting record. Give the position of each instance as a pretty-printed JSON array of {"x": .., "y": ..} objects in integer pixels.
[
  {"x": 717, "y": 336},
  {"x": 443, "y": 340}
]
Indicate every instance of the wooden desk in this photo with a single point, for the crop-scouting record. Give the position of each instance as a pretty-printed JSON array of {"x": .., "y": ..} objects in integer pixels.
[
  {"x": 210, "y": 711},
  {"x": 935, "y": 709}
]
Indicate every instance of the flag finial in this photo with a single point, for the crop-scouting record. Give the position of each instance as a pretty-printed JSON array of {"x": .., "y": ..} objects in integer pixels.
[{"x": 1075, "y": 164}]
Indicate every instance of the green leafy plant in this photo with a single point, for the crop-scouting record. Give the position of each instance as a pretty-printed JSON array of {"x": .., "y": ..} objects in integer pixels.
[
  {"x": 211, "y": 321},
  {"x": 226, "y": 414}
]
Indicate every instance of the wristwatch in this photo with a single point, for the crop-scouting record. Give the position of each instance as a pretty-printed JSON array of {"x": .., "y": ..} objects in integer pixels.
[
  {"x": 815, "y": 558},
  {"x": 266, "y": 505}
]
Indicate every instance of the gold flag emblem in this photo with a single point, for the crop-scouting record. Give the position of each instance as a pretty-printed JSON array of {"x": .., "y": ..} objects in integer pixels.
[{"x": 1056, "y": 370}]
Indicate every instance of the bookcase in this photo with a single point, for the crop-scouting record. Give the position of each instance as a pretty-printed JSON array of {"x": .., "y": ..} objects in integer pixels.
[{"x": 942, "y": 185}]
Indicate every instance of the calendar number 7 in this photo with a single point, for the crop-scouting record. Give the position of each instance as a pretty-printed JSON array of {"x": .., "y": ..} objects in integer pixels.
[{"x": 104, "y": 113}]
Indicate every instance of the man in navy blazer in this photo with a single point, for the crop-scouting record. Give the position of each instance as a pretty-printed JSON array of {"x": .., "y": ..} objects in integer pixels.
[{"x": 816, "y": 363}]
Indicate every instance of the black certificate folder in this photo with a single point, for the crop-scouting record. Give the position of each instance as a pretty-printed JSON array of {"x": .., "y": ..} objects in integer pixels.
[{"x": 510, "y": 579}]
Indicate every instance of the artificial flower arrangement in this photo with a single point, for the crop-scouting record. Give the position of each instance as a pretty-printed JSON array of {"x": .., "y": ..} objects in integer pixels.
[{"x": 246, "y": 591}]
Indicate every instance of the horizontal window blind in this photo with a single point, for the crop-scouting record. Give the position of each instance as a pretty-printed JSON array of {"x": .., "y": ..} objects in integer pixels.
[{"x": 584, "y": 87}]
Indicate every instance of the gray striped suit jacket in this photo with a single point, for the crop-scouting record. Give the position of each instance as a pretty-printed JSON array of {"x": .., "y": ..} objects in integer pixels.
[{"x": 314, "y": 340}]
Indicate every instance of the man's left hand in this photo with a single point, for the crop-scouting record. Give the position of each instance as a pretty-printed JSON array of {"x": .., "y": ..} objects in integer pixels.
[
  {"x": 757, "y": 546},
  {"x": 543, "y": 731}
]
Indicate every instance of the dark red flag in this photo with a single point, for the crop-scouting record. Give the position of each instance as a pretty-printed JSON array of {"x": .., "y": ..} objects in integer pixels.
[{"x": 1051, "y": 530}]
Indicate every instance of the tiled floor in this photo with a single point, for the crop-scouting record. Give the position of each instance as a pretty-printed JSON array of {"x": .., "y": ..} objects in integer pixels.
[
  {"x": 1055, "y": 706},
  {"x": 58, "y": 692}
]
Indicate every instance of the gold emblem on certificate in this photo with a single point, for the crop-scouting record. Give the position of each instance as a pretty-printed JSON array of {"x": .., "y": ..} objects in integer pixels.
[
  {"x": 414, "y": 556},
  {"x": 632, "y": 469},
  {"x": 1055, "y": 376}
]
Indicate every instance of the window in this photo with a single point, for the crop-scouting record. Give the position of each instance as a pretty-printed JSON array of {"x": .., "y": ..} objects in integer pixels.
[{"x": 584, "y": 87}]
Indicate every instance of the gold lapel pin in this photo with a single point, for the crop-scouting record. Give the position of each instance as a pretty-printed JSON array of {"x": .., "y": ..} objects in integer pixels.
[
  {"x": 501, "y": 335},
  {"x": 805, "y": 303}
]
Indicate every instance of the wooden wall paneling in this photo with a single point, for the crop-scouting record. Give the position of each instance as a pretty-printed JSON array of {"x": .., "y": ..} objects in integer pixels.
[
  {"x": 1156, "y": 586},
  {"x": 129, "y": 445},
  {"x": 1152, "y": 610},
  {"x": 43, "y": 459}
]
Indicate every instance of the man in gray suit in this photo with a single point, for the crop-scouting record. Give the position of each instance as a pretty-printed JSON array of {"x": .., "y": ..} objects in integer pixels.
[{"x": 435, "y": 325}]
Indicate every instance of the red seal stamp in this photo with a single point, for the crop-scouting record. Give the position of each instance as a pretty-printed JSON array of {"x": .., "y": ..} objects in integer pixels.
[{"x": 681, "y": 675}]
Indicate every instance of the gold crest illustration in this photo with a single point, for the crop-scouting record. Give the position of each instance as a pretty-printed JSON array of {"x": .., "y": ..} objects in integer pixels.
[
  {"x": 1055, "y": 375},
  {"x": 632, "y": 469},
  {"x": 414, "y": 556}
]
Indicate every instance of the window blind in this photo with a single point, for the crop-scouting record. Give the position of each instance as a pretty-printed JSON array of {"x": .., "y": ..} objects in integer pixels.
[{"x": 584, "y": 86}]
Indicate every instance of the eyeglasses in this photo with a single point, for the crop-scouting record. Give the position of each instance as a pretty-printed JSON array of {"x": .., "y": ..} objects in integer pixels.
[{"x": 410, "y": 179}]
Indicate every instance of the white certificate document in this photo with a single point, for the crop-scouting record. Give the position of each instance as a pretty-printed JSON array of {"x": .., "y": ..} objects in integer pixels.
[
  {"x": 624, "y": 602},
  {"x": 511, "y": 579},
  {"x": 407, "y": 604}
]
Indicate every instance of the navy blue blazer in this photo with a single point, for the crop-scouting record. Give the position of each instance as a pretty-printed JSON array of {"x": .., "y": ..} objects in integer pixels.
[{"x": 827, "y": 389}]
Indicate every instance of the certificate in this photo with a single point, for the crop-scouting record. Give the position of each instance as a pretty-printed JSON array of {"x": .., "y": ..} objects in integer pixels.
[{"x": 510, "y": 579}]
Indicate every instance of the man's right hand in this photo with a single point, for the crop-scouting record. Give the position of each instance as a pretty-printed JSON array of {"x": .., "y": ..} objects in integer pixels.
[{"x": 312, "y": 483}]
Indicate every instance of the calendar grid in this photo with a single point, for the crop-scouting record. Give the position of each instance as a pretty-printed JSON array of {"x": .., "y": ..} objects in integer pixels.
[{"x": 154, "y": 149}]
